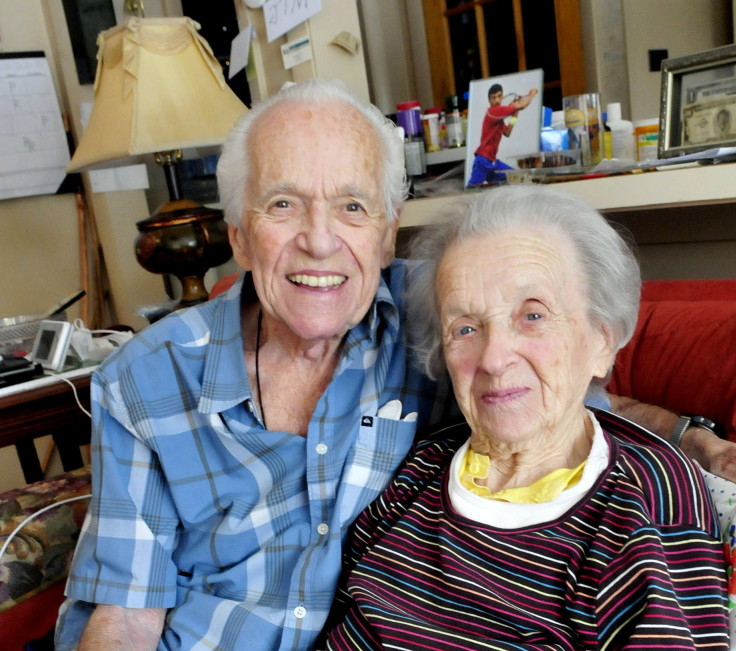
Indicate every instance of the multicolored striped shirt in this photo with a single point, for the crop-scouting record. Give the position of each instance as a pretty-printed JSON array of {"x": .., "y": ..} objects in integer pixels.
[
  {"x": 196, "y": 508},
  {"x": 636, "y": 564}
]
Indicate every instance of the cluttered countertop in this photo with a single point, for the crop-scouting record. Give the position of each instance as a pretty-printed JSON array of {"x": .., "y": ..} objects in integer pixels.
[{"x": 624, "y": 175}]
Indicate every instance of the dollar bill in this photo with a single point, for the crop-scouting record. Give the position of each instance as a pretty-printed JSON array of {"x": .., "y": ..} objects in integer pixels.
[{"x": 712, "y": 120}]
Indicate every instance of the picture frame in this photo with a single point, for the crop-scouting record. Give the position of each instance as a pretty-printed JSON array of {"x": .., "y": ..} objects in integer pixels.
[
  {"x": 523, "y": 138},
  {"x": 698, "y": 102}
]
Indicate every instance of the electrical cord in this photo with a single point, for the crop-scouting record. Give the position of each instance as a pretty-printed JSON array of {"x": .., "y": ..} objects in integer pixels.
[
  {"x": 58, "y": 376},
  {"x": 48, "y": 507}
]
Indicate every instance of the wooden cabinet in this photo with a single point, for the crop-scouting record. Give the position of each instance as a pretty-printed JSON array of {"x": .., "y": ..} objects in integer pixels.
[{"x": 46, "y": 407}]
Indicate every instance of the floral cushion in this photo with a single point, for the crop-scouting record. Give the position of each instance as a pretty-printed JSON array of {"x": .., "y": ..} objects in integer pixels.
[{"x": 40, "y": 553}]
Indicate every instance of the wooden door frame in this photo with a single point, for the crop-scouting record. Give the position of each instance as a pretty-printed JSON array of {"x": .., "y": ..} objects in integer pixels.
[{"x": 569, "y": 47}]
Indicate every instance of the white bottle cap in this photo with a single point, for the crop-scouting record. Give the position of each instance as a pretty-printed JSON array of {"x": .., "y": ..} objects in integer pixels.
[{"x": 614, "y": 111}]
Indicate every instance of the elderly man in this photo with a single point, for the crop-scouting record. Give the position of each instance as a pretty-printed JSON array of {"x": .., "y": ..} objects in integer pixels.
[{"x": 235, "y": 442}]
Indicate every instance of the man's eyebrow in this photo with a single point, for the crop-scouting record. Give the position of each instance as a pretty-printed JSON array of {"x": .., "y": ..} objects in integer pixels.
[
  {"x": 352, "y": 191},
  {"x": 279, "y": 188},
  {"x": 290, "y": 189}
]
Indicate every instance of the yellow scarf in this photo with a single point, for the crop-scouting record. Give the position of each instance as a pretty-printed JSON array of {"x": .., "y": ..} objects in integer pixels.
[{"x": 476, "y": 466}]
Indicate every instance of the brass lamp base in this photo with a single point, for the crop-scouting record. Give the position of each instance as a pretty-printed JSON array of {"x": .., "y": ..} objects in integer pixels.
[{"x": 185, "y": 239}]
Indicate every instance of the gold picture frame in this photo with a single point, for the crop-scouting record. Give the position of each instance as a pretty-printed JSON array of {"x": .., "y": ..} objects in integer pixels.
[{"x": 698, "y": 102}]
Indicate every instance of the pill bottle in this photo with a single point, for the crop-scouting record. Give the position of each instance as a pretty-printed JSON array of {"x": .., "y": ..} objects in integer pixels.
[
  {"x": 431, "y": 126},
  {"x": 408, "y": 116},
  {"x": 646, "y": 133}
]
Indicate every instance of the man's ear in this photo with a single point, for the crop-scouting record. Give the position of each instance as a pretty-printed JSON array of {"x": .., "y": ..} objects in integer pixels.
[
  {"x": 241, "y": 251},
  {"x": 389, "y": 246}
]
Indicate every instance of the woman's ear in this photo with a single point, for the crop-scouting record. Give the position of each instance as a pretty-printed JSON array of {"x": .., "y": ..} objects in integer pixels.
[{"x": 604, "y": 353}]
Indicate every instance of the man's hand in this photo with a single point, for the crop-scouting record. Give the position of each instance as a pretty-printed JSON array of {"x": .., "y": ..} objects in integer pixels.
[
  {"x": 523, "y": 102},
  {"x": 714, "y": 454}
]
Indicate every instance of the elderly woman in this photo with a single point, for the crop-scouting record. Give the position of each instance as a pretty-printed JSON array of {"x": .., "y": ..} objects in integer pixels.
[{"x": 536, "y": 523}]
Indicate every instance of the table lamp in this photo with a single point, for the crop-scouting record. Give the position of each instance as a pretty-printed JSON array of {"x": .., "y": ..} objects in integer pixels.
[{"x": 159, "y": 89}]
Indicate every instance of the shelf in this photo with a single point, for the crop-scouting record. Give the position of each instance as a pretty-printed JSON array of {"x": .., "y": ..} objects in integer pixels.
[
  {"x": 699, "y": 184},
  {"x": 454, "y": 155}
]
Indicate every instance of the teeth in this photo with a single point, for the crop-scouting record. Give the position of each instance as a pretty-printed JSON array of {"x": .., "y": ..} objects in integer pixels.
[{"x": 317, "y": 281}]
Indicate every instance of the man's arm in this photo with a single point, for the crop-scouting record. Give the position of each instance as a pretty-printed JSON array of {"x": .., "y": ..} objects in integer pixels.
[
  {"x": 114, "y": 627},
  {"x": 523, "y": 102},
  {"x": 519, "y": 104},
  {"x": 714, "y": 454}
]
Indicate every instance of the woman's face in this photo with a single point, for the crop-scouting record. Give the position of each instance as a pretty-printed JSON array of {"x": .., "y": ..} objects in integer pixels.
[{"x": 517, "y": 339}]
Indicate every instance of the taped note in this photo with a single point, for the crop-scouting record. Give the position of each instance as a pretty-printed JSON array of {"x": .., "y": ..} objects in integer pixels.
[{"x": 283, "y": 15}]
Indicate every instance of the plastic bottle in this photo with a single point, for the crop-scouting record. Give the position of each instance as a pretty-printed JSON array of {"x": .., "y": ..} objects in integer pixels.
[
  {"x": 551, "y": 138},
  {"x": 431, "y": 125},
  {"x": 647, "y": 139},
  {"x": 415, "y": 159},
  {"x": 622, "y": 134},
  {"x": 607, "y": 138},
  {"x": 408, "y": 116},
  {"x": 558, "y": 120},
  {"x": 455, "y": 136}
]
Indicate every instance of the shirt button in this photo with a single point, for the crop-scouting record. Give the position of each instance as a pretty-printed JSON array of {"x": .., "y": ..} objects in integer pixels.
[
  {"x": 322, "y": 529},
  {"x": 321, "y": 448},
  {"x": 249, "y": 405},
  {"x": 300, "y": 612}
]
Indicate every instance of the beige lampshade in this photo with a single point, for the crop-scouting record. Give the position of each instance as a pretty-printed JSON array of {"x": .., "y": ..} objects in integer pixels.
[{"x": 158, "y": 88}]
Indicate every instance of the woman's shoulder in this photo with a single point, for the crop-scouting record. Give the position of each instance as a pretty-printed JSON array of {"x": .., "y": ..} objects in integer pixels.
[{"x": 671, "y": 485}]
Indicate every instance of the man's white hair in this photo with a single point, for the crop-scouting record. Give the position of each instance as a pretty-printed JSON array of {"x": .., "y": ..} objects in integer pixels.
[{"x": 233, "y": 166}]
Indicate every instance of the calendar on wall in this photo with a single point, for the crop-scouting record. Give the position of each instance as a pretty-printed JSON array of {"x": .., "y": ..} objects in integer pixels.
[{"x": 33, "y": 145}]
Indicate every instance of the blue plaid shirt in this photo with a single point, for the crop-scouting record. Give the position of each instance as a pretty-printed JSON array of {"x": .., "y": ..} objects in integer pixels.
[{"x": 236, "y": 530}]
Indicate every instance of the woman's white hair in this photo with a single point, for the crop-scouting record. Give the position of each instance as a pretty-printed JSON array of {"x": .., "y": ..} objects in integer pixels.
[
  {"x": 612, "y": 279},
  {"x": 233, "y": 166}
]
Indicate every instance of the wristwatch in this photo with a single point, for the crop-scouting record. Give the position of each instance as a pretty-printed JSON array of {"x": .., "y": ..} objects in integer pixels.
[{"x": 686, "y": 421}]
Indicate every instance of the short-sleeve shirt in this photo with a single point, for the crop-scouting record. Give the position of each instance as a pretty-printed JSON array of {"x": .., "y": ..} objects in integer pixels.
[
  {"x": 492, "y": 130},
  {"x": 198, "y": 509}
]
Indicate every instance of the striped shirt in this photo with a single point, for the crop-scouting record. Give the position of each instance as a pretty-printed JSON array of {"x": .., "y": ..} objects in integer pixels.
[
  {"x": 636, "y": 564},
  {"x": 236, "y": 530}
]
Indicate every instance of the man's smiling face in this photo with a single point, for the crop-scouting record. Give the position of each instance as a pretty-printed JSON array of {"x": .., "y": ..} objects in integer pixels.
[{"x": 314, "y": 232}]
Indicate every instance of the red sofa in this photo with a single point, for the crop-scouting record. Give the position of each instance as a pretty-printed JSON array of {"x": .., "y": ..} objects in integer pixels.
[{"x": 683, "y": 353}]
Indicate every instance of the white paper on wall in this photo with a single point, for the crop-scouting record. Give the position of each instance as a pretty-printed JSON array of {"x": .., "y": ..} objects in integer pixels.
[
  {"x": 33, "y": 147},
  {"x": 240, "y": 51},
  {"x": 283, "y": 15}
]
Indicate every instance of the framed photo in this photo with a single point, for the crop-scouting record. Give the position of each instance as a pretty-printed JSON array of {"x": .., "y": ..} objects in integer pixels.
[
  {"x": 698, "y": 105},
  {"x": 504, "y": 119}
]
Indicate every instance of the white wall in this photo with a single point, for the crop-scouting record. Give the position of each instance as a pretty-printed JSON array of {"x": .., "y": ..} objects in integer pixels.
[
  {"x": 604, "y": 42},
  {"x": 266, "y": 73},
  {"x": 396, "y": 50},
  {"x": 680, "y": 26}
]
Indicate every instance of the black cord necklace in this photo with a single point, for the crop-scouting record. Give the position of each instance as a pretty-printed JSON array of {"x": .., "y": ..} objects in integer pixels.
[{"x": 258, "y": 375}]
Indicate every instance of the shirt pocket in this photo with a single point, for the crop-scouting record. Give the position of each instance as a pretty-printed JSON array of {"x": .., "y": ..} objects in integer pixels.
[{"x": 381, "y": 445}]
